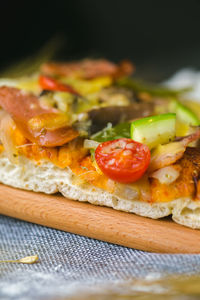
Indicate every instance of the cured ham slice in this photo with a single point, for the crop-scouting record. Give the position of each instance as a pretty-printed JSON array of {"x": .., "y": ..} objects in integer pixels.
[
  {"x": 23, "y": 107},
  {"x": 88, "y": 69}
]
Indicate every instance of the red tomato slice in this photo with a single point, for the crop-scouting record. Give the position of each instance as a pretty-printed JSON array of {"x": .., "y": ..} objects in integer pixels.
[
  {"x": 123, "y": 160},
  {"x": 50, "y": 84}
]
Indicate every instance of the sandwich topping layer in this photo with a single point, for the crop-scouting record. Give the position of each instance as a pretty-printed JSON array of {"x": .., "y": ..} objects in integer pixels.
[{"x": 89, "y": 131}]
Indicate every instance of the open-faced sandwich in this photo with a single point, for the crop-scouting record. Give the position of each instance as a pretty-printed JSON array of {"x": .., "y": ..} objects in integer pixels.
[{"x": 91, "y": 132}]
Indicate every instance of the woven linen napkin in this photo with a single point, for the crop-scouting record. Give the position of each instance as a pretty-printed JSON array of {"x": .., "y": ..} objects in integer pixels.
[{"x": 69, "y": 262}]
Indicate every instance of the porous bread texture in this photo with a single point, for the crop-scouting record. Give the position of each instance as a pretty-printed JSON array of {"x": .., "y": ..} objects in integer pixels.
[{"x": 49, "y": 179}]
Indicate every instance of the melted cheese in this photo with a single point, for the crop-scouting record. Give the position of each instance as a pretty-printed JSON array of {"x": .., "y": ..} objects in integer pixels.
[
  {"x": 63, "y": 156},
  {"x": 87, "y": 172},
  {"x": 186, "y": 185},
  {"x": 76, "y": 157}
]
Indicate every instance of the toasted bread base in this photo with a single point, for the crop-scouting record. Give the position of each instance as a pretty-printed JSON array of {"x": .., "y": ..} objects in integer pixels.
[{"x": 49, "y": 179}]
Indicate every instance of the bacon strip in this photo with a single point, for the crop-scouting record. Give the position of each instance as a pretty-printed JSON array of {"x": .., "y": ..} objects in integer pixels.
[
  {"x": 22, "y": 107},
  {"x": 88, "y": 69}
]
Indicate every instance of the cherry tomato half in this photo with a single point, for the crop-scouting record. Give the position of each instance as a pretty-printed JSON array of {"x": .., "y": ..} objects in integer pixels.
[
  {"x": 51, "y": 84},
  {"x": 123, "y": 160}
]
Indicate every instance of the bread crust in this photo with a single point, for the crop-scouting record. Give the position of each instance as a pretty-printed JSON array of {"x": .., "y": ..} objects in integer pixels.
[{"x": 50, "y": 179}]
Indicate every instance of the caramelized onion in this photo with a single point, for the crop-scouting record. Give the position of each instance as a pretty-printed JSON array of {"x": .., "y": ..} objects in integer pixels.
[
  {"x": 7, "y": 127},
  {"x": 167, "y": 174},
  {"x": 90, "y": 144}
]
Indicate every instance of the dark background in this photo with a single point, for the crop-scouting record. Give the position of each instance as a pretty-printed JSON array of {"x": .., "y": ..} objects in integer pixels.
[{"x": 158, "y": 36}]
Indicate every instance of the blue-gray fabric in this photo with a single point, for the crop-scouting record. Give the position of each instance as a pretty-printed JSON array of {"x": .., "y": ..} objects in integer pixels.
[{"x": 69, "y": 262}]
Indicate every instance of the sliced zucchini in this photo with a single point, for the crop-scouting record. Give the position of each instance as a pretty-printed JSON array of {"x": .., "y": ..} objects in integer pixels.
[
  {"x": 154, "y": 130},
  {"x": 184, "y": 114},
  {"x": 182, "y": 128}
]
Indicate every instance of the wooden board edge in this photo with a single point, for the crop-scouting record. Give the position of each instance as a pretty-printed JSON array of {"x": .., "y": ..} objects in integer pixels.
[{"x": 101, "y": 223}]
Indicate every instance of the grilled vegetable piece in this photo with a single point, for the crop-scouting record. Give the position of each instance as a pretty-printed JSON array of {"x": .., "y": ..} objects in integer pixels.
[
  {"x": 184, "y": 114},
  {"x": 115, "y": 95},
  {"x": 154, "y": 130},
  {"x": 110, "y": 133},
  {"x": 116, "y": 114},
  {"x": 154, "y": 90},
  {"x": 50, "y": 84}
]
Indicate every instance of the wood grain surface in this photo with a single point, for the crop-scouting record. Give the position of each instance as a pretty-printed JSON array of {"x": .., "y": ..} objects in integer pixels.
[{"x": 97, "y": 222}]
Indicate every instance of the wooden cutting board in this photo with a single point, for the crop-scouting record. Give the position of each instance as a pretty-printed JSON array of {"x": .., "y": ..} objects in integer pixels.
[{"x": 97, "y": 222}]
